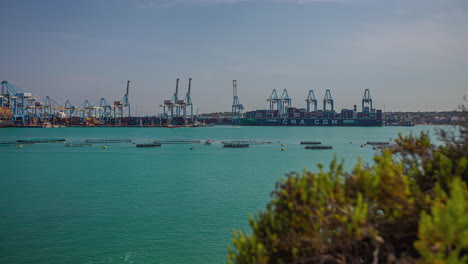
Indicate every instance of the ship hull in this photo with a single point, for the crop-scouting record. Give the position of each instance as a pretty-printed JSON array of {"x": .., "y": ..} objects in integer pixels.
[{"x": 309, "y": 122}]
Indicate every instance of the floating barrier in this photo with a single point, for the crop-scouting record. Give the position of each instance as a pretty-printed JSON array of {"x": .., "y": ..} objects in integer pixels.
[
  {"x": 8, "y": 143},
  {"x": 111, "y": 140},
  {"x": 235, "y": 145},
  {"x": 311, "y": 142},
  {"x": 375, "y": 143},
  {"x": 319, "y": 147},
  {"x": 40, "y": 140},
  {"x": 249, "y": 142},
  {"x": 151, "y": 145},
  {"x": 177, "y": 141},
  {"x": 78, "y": 145}
]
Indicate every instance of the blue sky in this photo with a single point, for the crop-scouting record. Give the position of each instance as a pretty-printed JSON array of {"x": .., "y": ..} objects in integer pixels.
[{"x": 411, "y": 54}]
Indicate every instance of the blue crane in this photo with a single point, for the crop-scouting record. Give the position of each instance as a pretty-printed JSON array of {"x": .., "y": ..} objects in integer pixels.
[
  {"x": 366, "y": 100},
  {"x": 311, "y": 99},
  {"x": 174, "y": 99},
  {"x": 328, "y": 100},
  {"x": 169, "y": 105},
  {"x": 15, "y": 99},
  {"x": 49, "y": 108},
  {"x": 273, "y": 99},
  {"x": 237, "y": 107},
  {"x": 284, "y": 102},
  {"x": 125, "y": 102},
  {"x": 188, "y": 102},
  {"x": 69, "y": 108}
]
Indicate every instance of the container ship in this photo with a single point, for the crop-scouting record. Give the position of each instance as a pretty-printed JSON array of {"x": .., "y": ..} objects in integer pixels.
[{"x": 281, "y": 113}]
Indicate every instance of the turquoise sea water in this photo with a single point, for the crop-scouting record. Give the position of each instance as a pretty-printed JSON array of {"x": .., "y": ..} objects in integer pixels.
[{"x": 151, "y": 205}]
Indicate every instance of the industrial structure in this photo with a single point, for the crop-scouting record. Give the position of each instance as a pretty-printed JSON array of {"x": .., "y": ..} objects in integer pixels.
[
  {"x": 29, "y": 111},
  {"x": 237, "y": 107},
  {"x": 311, "y": 100},
  {"x": 176, "y": 111},
  {"x": 286, "y": 115},
  {"x": 17, "y": 100},
  {"x": 328, "y": 100},
  {"x": 284, "y": 102},
  {"x": 273, "y": 100},
  {"x": 19, "y": 108}
]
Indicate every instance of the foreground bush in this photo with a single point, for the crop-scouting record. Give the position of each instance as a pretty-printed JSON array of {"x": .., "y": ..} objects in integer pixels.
[{"x": 410, "y": 206}]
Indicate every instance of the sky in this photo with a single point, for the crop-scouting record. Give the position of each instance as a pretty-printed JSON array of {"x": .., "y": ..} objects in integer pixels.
[{"x": 411, "y": 54}]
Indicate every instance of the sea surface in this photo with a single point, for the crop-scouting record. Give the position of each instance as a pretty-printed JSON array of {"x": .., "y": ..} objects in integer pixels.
[{"x": 171, "y": 204}]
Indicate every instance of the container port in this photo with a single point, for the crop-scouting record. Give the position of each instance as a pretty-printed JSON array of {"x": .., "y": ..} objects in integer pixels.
[
  {"x": 21, "y": 108},
  {"x": 281, "y": 112}
]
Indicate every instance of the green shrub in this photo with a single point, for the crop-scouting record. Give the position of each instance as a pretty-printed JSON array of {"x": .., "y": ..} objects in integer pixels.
[{"x": 395, "y": 211}]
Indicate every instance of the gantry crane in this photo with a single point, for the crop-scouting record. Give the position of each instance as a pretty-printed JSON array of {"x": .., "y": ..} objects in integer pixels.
[
  {"x": 273, "y": 99},
  {"x": 15, "y": 99},
  {"x": 284, "y": 102},
  {"x": 366, "y": 100},
  {"x": 311, "y": 99},
  {"x": 188, "y": 103},
  {"x": 123, "y": 106},
  {"x": 237, "y": 107},
  {"x": 169, "y": 105},
  {"x": 328, "y": 100},
  {"x": 69, "y": 108}
]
